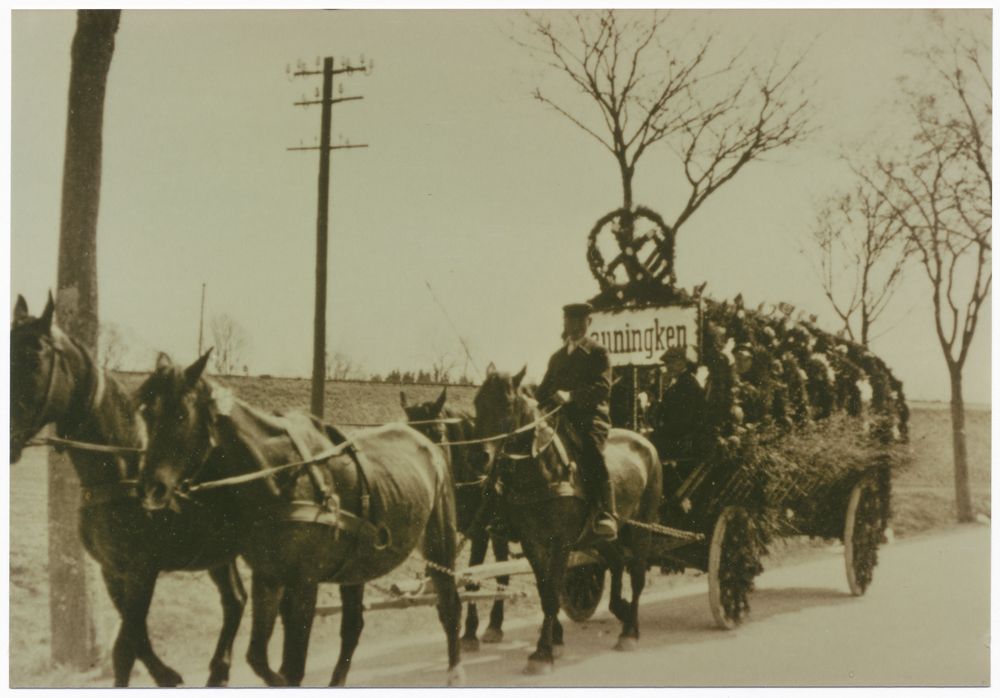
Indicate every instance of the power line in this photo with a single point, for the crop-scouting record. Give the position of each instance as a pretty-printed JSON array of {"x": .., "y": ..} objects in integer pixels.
[
  {"x": 471, "y": 360},
  {"x": 322, "y": 218}
]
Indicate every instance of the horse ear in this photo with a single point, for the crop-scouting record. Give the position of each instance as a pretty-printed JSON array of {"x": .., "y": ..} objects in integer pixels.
[
  {"x": 440, "y": 402},
  {"x": 402, "y": 399},
  {"x": 46, "y": 318},
  {"x": 163, "y": 361},
  {"x": 20, "y": 309},
  {"x": 520, "y": 377},
  {"x": 491, "y": 369},
  {"x": 193, "y": 372}
]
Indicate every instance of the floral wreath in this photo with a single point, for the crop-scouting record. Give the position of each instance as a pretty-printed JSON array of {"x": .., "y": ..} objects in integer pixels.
[{"x": 629, "y": 245}]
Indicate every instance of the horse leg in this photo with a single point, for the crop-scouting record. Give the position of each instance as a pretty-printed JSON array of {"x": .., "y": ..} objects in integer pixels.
[
  {"x": 476, "y": 556},
  {"x": 642, "y": 541},
  {"x": 297, "y": 610},
  {"x": 234, "y": 599},
  {"x": 630, "y": 624},
  {"x": 616, "y": 564},
  {"x": 439, "y": 549},
  {"x": 267, "y": 595},
  {"x": 132, "y": 597},
  {"x": 501, "y": 552},
  {"x": 351, "y": 624},
  {"x": 550, "y": 568}
]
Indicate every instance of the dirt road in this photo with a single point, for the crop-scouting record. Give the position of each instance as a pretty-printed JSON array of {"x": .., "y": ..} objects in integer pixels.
[{"x": 924, "y": 621}]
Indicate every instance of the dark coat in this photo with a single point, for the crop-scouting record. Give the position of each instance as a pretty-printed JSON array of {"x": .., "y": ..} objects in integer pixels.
[
  {"x": 586, "y": 376},
  {"x": 679, "y": 418}
]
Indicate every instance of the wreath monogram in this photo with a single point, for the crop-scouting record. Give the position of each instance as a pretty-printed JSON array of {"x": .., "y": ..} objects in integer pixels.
[{"x": 645, "y": 258}]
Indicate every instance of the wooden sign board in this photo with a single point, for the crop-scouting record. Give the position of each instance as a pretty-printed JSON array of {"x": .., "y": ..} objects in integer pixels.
[{"x": 639, "y": 337}]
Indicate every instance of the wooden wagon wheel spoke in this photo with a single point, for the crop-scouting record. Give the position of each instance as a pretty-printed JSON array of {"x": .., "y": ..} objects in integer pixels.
[{"x": 582, "y": 590}]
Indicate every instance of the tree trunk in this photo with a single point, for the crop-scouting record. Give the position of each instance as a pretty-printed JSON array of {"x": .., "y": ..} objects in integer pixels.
[
  {"x": 963, "y": 495},
  {"x": 72, "y": 622}
]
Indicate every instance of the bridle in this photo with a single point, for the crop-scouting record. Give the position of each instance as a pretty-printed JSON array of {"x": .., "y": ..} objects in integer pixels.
[{"x": 40, "y": 420}]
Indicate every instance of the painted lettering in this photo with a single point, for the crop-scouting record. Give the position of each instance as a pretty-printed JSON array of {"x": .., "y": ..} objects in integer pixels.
[{"x": 619, "y": 341}]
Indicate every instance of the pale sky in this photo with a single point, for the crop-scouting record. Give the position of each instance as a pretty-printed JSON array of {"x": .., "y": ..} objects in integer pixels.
[{"x": 468, "y": 184}]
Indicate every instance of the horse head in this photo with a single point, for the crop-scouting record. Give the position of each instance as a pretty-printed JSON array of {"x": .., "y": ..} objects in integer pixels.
[
  {"x": 429, "y": 413},
  {"x": 179, "y": 410},
  {"x": 502, "y": 407},
  {"x": 40, "y": 390}
]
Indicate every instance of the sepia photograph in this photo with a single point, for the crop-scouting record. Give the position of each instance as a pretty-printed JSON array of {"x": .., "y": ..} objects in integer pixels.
[{"x": 500, "y": 348}]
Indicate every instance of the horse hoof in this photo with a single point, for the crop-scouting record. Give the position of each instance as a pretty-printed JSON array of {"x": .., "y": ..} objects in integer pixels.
[
  {"x": 218, "y": 681},
  {"x": 493, "y": 635},
  {"x": 537, "y": 667},
  {"x": 557, "y": 651},
  {"x": 272, "y": 678},
  {"x": 626, "y": 644},
  {"x": 456, "y": 676},
  {"x": 470, "y": 644},
  {"x": 168, "y": 678}
]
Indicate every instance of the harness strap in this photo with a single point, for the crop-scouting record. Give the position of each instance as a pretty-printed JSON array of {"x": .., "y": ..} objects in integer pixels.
[
  {"x": 95, "y": 495},
  {"x": 553, "y": 490},
  {"x": 310, "y": 512}
]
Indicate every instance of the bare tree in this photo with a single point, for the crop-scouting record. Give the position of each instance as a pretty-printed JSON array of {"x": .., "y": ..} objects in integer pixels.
[
  {"x": 648, "y": 86},
  {"x": 341, "y": 367},
  {"x": 112, "y": 346},
  {"x": 859, "y": 251},
  {"x": 231, "y": 342},
  {"x": 443, "y": 362},
  {"x": 941, "y": 188}
]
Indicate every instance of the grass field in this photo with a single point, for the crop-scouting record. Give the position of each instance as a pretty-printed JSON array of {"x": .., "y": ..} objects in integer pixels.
[{"x": 185, "y": 616}]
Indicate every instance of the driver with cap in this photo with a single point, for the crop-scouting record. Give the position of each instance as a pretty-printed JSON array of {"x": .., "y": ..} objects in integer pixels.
[{"x": 579, "y": 378}]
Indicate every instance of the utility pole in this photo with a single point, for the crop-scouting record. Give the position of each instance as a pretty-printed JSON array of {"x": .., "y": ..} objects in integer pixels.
[
  {"x": 322, "y": 217},
  {"x": 201, "y": 323}
]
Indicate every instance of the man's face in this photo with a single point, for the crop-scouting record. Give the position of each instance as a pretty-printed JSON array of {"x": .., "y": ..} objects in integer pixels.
[
  {"x": 574, "y": 327},
  {"x": 674, "y": 366}
]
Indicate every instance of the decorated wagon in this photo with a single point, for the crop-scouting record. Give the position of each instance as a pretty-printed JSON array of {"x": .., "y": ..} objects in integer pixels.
[{"x": 767, "y": 426}]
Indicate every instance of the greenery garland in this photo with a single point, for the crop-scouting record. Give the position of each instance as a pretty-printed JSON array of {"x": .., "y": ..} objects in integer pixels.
[
  {"x": 630, "y": 246},
  {"x": 787, "y": 431}
]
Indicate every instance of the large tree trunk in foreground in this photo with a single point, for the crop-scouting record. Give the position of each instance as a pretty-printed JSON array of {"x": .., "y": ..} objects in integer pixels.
[{"x": 75, "y": 639}]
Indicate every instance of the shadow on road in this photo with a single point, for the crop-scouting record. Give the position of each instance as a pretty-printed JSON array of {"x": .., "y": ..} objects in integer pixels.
[{"x": 665, "y": 623}]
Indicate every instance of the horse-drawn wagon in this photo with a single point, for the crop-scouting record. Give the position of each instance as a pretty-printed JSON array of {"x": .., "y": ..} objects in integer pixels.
[{"x": 786, "y": 430}]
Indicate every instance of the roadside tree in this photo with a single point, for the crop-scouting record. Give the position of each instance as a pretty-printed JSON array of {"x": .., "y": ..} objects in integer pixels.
[
  {"x": 231, "y": 344},
  {"x": 858, "y": 250},
  {"x": 647, "y": 76},
  {"x": 941, "y": 190}
]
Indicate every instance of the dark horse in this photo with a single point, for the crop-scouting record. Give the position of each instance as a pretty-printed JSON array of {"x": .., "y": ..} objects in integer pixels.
[
  {"x": 54, "y": 379},
  {"x": 311, "y": 507},
  {"x": 544, "y": 505},
  {"x": 445, "y": 426}
]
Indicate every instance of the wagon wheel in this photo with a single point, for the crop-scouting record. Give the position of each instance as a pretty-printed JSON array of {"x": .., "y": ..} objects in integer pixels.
[
  {"x": 582, "y": 589},
  {"x": 862, "y": 534},
  {"x": 732, "y": 565}
]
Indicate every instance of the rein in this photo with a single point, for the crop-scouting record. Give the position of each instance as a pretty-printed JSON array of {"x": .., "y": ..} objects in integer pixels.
[
  {"x": 83, "y": 445},
  {"x": 450, "y": 420},
  {"x": 185, "y": 488},
  {"x": 498, "y": 437}
]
